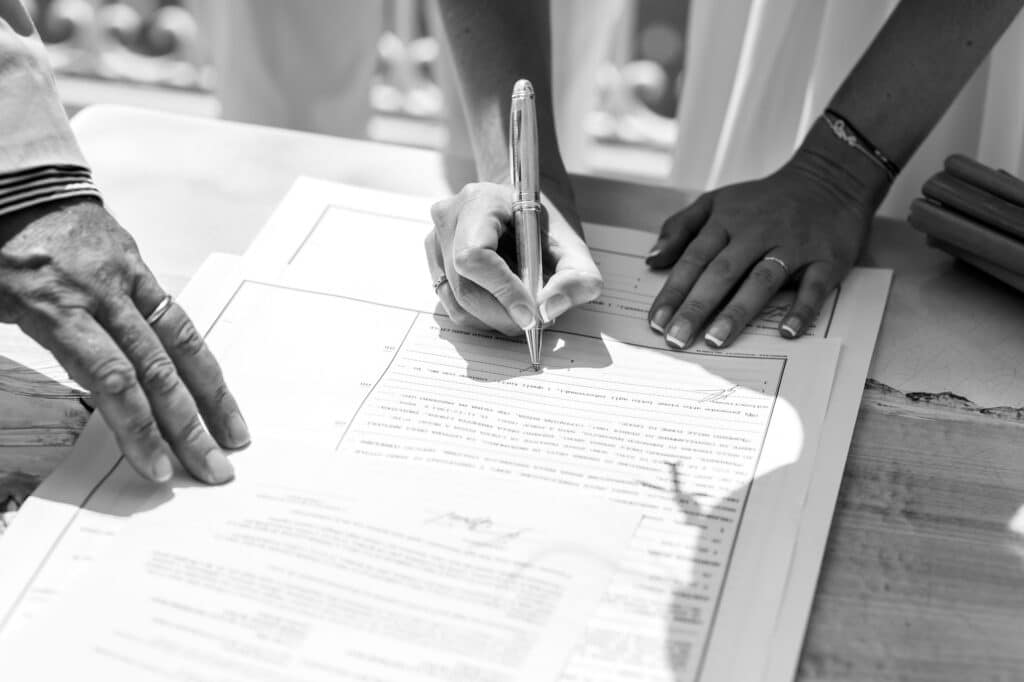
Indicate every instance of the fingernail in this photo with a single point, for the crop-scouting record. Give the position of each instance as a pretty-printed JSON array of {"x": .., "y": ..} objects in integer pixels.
[
  {"x": 679, "y": 335},
  {"x": 523, "y": 316},
  {"x": 660, "y": 319},
  {"x": 238, "y": 431},
  {"x": 718, "y": 333},
  {"x": 553, "y": 307},
  {"x": 655, "y": 252},
  {"x": 218, "y": 467},
  {"x": 162, "y": 469},
  {"x": 791, "y": 327}
]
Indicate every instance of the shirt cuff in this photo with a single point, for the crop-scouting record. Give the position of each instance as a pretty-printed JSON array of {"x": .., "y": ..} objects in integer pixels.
[{"x": 44, "y": 184}]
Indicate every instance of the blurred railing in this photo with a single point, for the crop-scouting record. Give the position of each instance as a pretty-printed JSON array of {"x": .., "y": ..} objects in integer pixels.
[{"x": 161, "y": 47}]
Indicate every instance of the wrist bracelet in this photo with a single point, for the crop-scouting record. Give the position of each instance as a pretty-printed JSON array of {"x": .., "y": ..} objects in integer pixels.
[{"x": 842, "y": 129}]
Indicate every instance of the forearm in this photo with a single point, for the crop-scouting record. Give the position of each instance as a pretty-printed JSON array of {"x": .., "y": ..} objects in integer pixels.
[
  {"x": 912, "y": 71},
  {"x": 39, "y": 158},
  {"x": 495, "y": 43}
]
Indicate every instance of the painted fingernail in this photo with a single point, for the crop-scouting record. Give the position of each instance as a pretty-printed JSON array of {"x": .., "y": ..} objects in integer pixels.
[
  {"x": 679, "y": 334},
  {"x": 162, "y": 469},
  {"x": 553, "y": 307},
  {"x": 238, "y": 431},
  {"x": 718, "y": 333},
  {"x": 523, "y": 316},
  {"x": 219, "y": 469},
  {"x": 791, "y": 327},
  {"x": 660, "y": 319}
]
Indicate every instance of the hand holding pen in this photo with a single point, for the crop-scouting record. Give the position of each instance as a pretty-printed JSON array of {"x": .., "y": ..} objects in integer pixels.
[{"x": 472, "y": 257}]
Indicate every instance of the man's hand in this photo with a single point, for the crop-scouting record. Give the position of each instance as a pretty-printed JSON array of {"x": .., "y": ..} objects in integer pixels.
[
  {"x": 73, "y": 280},
  {"x": 470, "y": 245},
  {"x": 724, "y": 252}
]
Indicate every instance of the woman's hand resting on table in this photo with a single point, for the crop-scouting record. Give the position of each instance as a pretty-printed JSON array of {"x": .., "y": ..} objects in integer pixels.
[
  {"x": 733, "y": 249},
  {"x": 472, "y": 245},
  {"x": 72, "y": 279}
]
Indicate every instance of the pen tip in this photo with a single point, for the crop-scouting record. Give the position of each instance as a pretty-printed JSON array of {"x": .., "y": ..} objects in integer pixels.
[
  {"x": 522, "y": 88},
  {"x": 536, "y": 366}
]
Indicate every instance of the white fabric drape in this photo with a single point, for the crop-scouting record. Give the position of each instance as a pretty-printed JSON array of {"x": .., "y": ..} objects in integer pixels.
[
  {"x": 758, "y": 72},
  {"x": 747, "y": 103}
]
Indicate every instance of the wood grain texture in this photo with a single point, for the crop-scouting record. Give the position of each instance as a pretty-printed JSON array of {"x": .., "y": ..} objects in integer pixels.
[{"x": 923, "y": 577}]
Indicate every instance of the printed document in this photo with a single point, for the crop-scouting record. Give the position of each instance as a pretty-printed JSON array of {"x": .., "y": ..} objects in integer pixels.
[
  {"x": 721, "y": 452},
  {"x": 316, "y": 571}
]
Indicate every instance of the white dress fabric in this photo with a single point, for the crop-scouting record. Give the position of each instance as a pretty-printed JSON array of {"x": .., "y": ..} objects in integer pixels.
[{"x": 760, "y": 71}]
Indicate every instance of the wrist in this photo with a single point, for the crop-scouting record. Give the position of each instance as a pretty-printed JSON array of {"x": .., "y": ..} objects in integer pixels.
[{"x": 847, "y": 170}]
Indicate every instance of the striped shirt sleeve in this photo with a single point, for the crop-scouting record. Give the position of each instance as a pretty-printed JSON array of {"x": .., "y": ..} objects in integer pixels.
[
  {"x": 39, "y": 158},
  {"x": 22, "y": 189}
]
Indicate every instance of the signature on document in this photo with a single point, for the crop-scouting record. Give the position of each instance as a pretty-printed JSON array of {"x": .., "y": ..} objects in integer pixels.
[{"x": 481, "y": 531}]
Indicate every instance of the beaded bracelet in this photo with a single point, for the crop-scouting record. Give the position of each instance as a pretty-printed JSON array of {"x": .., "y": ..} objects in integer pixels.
[{"x": 851, "y": 136}]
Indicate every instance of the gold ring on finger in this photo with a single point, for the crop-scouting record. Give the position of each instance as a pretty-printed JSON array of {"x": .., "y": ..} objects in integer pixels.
[
  {"x": 779, "y": 262},
  {"x": 160, "y": 310}
]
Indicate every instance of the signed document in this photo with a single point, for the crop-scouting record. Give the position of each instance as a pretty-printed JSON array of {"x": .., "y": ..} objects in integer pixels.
[
  {"x": 370, "y": 574},
  {"x": 731, "y": 458}
]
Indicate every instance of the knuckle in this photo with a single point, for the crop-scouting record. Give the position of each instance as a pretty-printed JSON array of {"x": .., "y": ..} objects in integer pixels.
[
  {"x": 187, "y": 339},
  {"x": 721, "y": 268},
  {"x": 193, "y": 431},
  {"x": 736, "y": 313},
  {"x": 132, "y": 341},
  {"x": 113, "y": 376},
  {"x": 694, "y": 310},
  {"x": 473, "y": 189},
  {"x": 591, "y": 286},
  {"x": 673, "y": 291},
  {"x": 765, "y": 276},
  {"x": 141, "y": 425},
  {"x": 469, "y": 260},
  {"x": 816, "y": 289},
  {"x": 439, "y": 211},
  {"x": 159, "y": 375},
  {"x": 221, "y": 393},
  {"x": 461, "y": 318}
]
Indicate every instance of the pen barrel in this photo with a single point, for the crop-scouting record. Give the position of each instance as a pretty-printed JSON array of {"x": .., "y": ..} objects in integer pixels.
[
  {"x": 524, "y": 149},
  {"x": 526, "y": 219}
]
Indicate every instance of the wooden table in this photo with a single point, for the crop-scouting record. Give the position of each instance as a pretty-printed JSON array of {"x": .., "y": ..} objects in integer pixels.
[{"x": 923, "y": 577}]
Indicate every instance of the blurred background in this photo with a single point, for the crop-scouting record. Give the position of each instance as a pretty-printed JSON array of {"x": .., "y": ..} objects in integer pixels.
[{"x": 173, "y": 55}]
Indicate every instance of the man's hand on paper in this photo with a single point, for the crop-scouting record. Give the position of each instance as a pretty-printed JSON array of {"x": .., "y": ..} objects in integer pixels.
[
  {"x": 471, "y": 244},
  {"x": 72, "y": 278},
  {"x": 733, "y": 249}
]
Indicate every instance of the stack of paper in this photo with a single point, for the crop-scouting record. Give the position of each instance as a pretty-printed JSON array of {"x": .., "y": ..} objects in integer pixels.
[{"x": 714, "y": 475}]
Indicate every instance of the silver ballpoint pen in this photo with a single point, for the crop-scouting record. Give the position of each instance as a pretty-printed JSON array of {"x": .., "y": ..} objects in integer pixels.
[{"x": 524, "y": 161}]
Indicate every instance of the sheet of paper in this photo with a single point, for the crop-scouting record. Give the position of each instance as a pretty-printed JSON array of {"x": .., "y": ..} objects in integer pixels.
[
  {"x": 679, "y": 436},
  {"x": 328, "y": 572},
  {"x": 655, "y": 628},
  {"x": 305, "y": 239}
]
